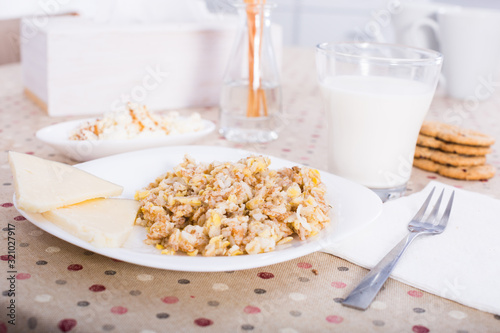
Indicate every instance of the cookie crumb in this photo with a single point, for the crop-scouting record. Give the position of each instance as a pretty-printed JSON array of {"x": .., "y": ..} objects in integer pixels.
[{"x": 315, "y": 271}]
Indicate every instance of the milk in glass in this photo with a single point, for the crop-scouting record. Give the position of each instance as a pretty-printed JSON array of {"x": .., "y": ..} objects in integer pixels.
[{"x": 373, "y": 124}]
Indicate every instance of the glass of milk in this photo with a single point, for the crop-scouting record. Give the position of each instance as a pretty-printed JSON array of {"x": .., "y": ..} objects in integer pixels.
[{"x": 376, "y": 97}]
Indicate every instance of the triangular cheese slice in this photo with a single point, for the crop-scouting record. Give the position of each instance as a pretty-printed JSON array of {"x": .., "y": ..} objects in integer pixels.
[
  {"x": 42, "y": 185},
  {"x": 101, "y": 222}
]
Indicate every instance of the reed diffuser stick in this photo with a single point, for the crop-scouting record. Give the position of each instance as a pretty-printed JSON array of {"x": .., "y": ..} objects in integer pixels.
[{"x": 256, "y": 95}]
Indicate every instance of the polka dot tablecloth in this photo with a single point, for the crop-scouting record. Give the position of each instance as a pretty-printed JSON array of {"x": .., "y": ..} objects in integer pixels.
[{"x": 57, "y": 287}]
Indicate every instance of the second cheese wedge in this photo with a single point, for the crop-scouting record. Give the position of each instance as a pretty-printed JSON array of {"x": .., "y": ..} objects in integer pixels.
[
  {"x": 101, "y": 222},
  {"x": 43, "y": 185}
]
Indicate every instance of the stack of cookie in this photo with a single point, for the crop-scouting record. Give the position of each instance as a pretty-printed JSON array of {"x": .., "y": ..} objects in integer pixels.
[{"x": 453, "y": 152}]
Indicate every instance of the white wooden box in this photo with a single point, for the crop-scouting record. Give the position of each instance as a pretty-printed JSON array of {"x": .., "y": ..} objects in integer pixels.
[{"x": 72, "y": 66}]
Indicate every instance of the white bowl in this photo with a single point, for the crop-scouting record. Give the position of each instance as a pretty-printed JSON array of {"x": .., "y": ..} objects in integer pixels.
[{"x": 57, "y": 136}]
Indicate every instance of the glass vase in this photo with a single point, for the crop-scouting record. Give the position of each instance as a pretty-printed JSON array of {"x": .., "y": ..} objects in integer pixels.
[{"x": 250, "y": 102}]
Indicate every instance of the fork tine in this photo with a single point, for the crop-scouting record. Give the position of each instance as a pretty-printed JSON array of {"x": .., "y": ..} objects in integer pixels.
[
  {"x": 435, "y": 210},
  {"x": 446, "y": 215},
  {"x": 422, "y": 209}
]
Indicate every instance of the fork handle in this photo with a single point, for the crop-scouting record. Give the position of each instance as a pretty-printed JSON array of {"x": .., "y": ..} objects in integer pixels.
[{"x": 362, "y": 296}]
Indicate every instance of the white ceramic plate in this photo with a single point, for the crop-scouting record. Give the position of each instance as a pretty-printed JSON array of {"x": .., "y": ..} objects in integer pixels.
[
  {"x": 81, "y": 151},
  {"x": 354, "y": 206}
]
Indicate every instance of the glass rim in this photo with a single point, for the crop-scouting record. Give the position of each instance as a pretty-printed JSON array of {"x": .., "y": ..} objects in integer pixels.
[{"x": 432, "y": 57}]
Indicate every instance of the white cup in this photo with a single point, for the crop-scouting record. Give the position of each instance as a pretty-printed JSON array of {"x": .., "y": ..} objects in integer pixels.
[
  {"x": 469, "y": 39},
  {"x": 410, "y": 15}
]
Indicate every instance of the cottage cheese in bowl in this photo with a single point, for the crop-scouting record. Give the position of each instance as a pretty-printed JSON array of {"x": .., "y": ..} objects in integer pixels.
[
  {"x": 136, "y": 122},
  {"x": 134, "y": 128}
]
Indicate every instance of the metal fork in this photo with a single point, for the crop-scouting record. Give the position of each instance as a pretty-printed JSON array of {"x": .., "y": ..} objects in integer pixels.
[{"x": 362, "y": 296}]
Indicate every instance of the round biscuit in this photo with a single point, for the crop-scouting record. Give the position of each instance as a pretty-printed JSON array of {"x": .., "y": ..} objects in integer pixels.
[
  {"x": 448, "y": 158},
  {"x": 431, "y": 142},
  {"x": 455, "y": 134},
  {"x": 480, "y": 172}
]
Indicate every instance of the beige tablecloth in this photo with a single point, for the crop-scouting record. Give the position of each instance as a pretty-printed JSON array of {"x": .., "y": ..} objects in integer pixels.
[{"x": 60, "y": 288}]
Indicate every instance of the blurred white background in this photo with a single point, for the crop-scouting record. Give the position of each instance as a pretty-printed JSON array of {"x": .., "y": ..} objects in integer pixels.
[
  {"x": 305, "y": 22},
  {"x": 309, "y": 22}
]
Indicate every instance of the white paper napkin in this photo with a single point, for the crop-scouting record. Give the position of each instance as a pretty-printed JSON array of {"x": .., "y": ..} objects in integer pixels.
[{"x": 461, "y": 264}]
